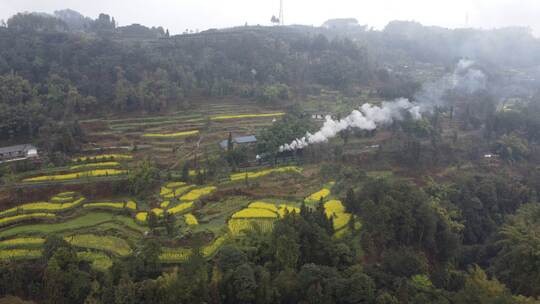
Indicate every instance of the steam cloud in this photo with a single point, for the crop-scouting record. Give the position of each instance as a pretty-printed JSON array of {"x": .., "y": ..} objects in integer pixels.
[{"x": 368, "y": 117}]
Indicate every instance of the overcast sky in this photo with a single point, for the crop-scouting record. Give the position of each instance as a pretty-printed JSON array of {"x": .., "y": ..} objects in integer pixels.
[{"x": 177, "y": 15}]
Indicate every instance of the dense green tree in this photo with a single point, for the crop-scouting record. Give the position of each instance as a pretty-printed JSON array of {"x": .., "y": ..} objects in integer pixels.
[
  {"x": 291, "y": 127},
  {"x": 480, "y": 289},
  {"x": 512, "y": 148},
  {"x": 396, "y": 214},
  {"x": 64, "y": 281},
  {"x": 229, "y": 258},
  {"x": 144, "y": 261},
  {"x": 143, "y": 178},
  {"x": 517, "y": 263},
  {"x": 483, "y": 201},
  {"x": 240, "y": 285}
]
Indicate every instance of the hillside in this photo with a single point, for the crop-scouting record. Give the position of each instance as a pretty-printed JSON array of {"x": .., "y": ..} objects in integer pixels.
[{"x": 295, "y": 164}]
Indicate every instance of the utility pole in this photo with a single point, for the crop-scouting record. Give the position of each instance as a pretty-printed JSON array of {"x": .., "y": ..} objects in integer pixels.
[{"x": 281, "y": 16}]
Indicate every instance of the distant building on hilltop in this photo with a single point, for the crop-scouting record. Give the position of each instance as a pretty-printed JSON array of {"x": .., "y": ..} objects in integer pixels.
[
  {"x": 341, "y": 24},
  {"x": 18, "y": 152}
]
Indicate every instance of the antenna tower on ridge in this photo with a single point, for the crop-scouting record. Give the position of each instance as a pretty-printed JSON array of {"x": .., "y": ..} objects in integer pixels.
[{"x": 281, "y": 17}]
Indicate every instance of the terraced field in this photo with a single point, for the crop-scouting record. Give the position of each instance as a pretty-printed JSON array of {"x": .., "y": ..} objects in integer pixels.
[
  {"x": 181, "y": 134},
  {"x": 108, "y": 229},
  {"x": 105, "y": 229},
  {"x": 82, "y": 169}
]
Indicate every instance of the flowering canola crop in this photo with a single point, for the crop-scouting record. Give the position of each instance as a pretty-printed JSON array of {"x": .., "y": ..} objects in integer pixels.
[
  {"x": 96, "y": 165},
  {"x": 172, "y": 135},
  {"x": 191, "y": 220},
  {"x": 180, "y": 208},
  {"x": 197, "y": 193},
  {"x": 104, "y": 157},
  {"x": 76, "y": 175},
  {"x": 240, "y": 116},
  {"x": 257, "y": 174}
]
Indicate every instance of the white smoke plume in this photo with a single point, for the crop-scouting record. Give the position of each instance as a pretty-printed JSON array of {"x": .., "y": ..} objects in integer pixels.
[
  {"x": 465, "y": 78},
  {"x": 369, "y": 117}
]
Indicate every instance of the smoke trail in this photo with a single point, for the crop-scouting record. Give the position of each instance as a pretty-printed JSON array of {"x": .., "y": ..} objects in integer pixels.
[
  {"x": 368, "y": 117},
  {"x": 465, "y": 78}
]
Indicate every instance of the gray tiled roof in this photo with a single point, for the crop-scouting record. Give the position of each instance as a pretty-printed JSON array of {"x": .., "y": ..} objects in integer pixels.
[
  {"x": 17, "y": 148},
  {"x": 245, "y": 139},
  {"x": 239, "y": 140}
]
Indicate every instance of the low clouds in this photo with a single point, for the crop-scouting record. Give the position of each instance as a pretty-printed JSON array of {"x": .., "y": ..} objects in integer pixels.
[{"x": 177, "y": 15}]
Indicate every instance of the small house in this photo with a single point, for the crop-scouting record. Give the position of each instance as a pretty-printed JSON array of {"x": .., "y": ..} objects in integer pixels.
[
  {"x": 241, "y": 141},
  {"x": 319, "y": 115},
  {"x": 18, "y": 152}
]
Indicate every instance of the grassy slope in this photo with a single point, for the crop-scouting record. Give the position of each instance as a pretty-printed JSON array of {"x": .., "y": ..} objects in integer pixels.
[{"x": 84, "y": 221}]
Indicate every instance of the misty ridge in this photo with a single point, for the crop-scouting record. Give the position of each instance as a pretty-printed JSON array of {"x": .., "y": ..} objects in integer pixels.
[
  {"x": 512, "y": 46},
  {"x": 76, "y": 66}
]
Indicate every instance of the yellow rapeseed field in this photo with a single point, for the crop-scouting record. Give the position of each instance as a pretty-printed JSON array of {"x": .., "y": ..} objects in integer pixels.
[
  {"x": 177, "y": 191},
  {"x": 66, "y": 194},
  {"x": 61, "y": 199},
  {"x": 256, "y": 174},
  {"x": 191, "y": 220},
  {"x": 119, "y": 205},
  {"x": 42, "y": 207},
  {"x": 323, "y": 193},
  {"x": 141, "y": 217},
  {"x": 238, "y": 226},
  {"x": 258, "y": 214},
  {"x": 180, "y": 208},
  {"x": 164, "y": 191},
  {"x": 254, "y": 213},
  {"x": 179, "y": 255},
  {"x": 195, "y": 194},
  {"x": 77, "y": 175},
  {"x": 212, "y": 248},
  {"x": 174, "y": 185},
  {"x": 24, "y": 217},
  {"x": 335, "y": 209},
  {"x": 333, "y": 206},
  {"x": 287, "y": 209},
  {"x": 22, "y": 242},
  {"x": 240, "y": 116},
  {"x": 165, "y": 204},
  {"x": 96, "y": 165},
  {"x": 19, "y": 254},
  {"x": 104, "y": 243},
  {"x": 131, "y": 205},
  {"x": 263, "y": 205},
  {"x": 104, "y": 157},
  {"x": 172, "y": 135},
  {"x": 158, "y": 211},
  {"x": 341, "y": 220}
]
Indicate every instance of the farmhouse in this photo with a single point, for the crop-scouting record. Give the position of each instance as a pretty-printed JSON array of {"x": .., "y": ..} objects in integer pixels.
[
  {"x": 243, "y": 141},
  {"x": 18, "y": 152},
  {"x": 319, "y": 115}
]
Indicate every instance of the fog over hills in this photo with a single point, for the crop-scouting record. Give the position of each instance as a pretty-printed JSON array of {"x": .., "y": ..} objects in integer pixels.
[{"x": 204, "y": 14}]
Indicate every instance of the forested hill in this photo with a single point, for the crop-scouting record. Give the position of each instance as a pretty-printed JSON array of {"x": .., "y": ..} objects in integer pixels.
[
  {"x": 54, "y": 67},
  {"x": 49, "y": 72}
]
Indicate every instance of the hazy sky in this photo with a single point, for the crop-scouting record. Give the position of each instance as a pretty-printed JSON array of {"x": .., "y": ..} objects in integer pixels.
[{"x": 177, "y": 15}]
